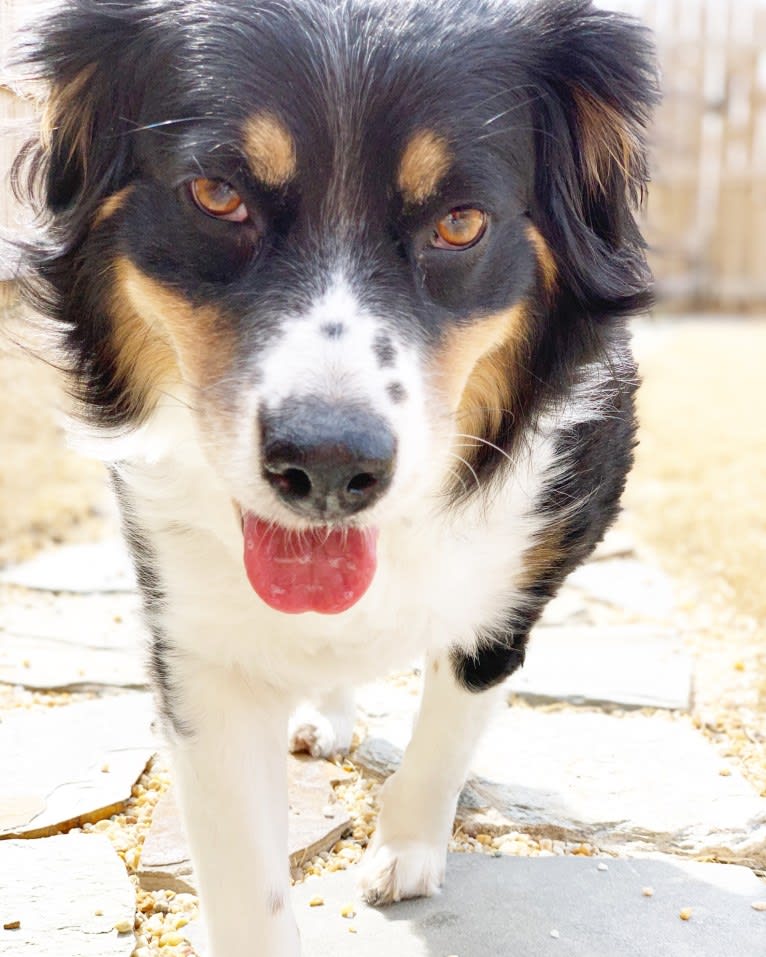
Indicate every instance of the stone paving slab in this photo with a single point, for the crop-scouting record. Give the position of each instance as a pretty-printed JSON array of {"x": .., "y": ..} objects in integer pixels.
[
  {"x": 630, "y": 666},
  {"x": 316, "y": 822},
  {"x": 618, "y": 781},
  {"x": 629, "y": 584},
  {"x": 93, "y": 567},
  {"x": 617, "y": 543},
  {"x": 569, "y": 607},
  {"x": 71, "y": 642},
  {"x": 530, "y": 907},
  {"x": 64, "y": 766},
  {"x": 68, "y": 894}
]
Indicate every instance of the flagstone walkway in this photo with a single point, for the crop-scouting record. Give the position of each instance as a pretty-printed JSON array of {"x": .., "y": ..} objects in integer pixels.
[{"x": 593, "y": 810}]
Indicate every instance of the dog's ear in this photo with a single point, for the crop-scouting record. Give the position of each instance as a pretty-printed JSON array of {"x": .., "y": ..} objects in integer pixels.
[
  {"x": 82, "y": 53},
  {"x": 598, "y": 85}
]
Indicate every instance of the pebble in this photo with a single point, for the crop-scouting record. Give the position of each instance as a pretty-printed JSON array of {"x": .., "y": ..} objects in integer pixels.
[
  {"x": 759, "y": 906},
  {"x": 316, "y": 902},
  {"x": 171, "y": 939},
  {"x": 555, "y": 934},
  {"x": 647, "y": 891},
  {"x": 686, "y": 913},
  {"x": 603, "y": 867},
  {"x": 12, "y": 925},
  {"x": 124, "y": 926}
]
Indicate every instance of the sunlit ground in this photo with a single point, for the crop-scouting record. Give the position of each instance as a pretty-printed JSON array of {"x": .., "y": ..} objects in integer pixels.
[{"x": 699, "y": 488}]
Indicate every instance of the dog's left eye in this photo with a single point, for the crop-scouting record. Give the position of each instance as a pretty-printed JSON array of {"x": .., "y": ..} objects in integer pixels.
[
  {"x": 219, "y": 199},
  {"x": 461, "y": 228}
]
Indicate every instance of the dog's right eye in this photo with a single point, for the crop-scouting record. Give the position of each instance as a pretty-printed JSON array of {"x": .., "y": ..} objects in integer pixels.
[{"x": 219, "y": 199}]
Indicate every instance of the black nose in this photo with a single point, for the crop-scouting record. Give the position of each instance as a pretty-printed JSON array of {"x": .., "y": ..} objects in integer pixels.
[{"x": 326, "y": 461}]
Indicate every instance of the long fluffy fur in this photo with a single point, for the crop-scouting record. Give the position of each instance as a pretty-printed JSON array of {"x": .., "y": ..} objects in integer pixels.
[{"x": 494, "y": 384}]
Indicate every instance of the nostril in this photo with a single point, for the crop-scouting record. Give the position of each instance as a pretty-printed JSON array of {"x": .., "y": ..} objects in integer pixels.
[
  {"x": 294, "y": 483},
  {"x": 361, "y": 483},
  {"x": 326, "y": 461}
]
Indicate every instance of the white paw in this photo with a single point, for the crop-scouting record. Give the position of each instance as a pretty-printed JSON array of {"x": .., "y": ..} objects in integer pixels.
[
  {"x": 402, "y": 869},
  {"x": 311, "y": 731}
]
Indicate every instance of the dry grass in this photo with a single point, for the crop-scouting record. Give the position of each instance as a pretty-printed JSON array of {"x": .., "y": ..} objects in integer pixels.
[
  {"x": 697, "y": 496},
  {"x": 698, "y": 493}
]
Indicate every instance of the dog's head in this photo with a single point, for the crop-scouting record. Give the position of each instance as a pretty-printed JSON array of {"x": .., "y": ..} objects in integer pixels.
[{"x": 365, "y": 242}]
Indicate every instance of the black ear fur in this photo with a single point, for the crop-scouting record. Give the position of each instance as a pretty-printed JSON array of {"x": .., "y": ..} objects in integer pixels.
[
  {"x": 599, "y": 80},
  {"x": 84, "y": 151}
]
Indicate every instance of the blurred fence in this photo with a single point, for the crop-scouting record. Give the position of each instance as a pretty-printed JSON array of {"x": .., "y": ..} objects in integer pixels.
[{"x": 706, "y": 215}]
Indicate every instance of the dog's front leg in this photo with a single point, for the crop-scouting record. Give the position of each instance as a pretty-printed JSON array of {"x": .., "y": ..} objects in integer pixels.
[
  {"x": 230, "y": 768},
  {"x": 408, "y": 852}
]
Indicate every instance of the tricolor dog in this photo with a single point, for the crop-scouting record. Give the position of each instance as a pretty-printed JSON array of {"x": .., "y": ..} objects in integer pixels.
[{"x": 341, "y": 287}]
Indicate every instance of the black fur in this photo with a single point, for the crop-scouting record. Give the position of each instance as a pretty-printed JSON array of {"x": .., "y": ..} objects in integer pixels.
[
  {"x": 598, "y": 456},
  {"x": 153, "y": 595}
]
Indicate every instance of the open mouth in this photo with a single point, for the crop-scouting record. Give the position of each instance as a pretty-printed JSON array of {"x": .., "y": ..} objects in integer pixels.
[{"x": 322, "y": 569}]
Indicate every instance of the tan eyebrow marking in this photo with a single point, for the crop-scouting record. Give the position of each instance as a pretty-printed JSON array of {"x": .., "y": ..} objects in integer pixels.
[
  {"x": 270, "y": 149},
  {"x": 424, "y": 164}
]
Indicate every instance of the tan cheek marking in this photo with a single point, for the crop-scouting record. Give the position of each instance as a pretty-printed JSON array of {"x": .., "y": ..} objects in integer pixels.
[
  {"x": 270, "y": 149},
  {"x": 424, "y": 164},
  {"x": 476, "y": 370},
  {"x": 145, "y": 358},
  {"x": 544, "y": 256},
  {"x": 111, "y": 205},
  {"x": 606, "y": 139},
  {"x": 160, "y": 337},
  {"x": 543, "y": 557}
]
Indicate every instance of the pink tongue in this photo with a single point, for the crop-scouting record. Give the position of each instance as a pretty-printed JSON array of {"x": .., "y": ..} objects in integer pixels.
[{"x": 315, "y": 570}]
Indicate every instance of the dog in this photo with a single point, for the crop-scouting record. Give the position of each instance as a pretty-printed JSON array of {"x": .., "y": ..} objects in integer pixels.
[{"x": 342, "y": 290}]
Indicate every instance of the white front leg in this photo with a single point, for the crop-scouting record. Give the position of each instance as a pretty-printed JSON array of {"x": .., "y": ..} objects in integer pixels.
[
  {"x": 408, "y": 852},
  {"x": 230, "y": 770}
]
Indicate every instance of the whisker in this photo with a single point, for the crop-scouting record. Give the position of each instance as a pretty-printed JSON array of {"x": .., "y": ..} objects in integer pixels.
[
  {"x": 478, "y": 438},
  {"x": 521, "y": 129},
  {"x": 512, "y": 109},
  {"x": 159, "y": 125},
  {"x": 458, "y": 477},
  {"x": 468, "y": 466},
  {"x": 506, "y": 91}
]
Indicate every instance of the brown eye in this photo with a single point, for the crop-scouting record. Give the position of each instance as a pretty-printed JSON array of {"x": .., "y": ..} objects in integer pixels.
[
  {"x": 461, "y": 228},
  {"x": 218, "y": 198}
]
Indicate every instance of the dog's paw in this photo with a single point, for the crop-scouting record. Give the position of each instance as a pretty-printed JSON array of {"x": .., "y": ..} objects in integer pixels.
[
  {"x": 401, "y": 869},
  {"x": 311, "y": 731}
]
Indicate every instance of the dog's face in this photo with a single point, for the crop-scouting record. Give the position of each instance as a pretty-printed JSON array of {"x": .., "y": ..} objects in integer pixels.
[{"x": 364, "y": 244}]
